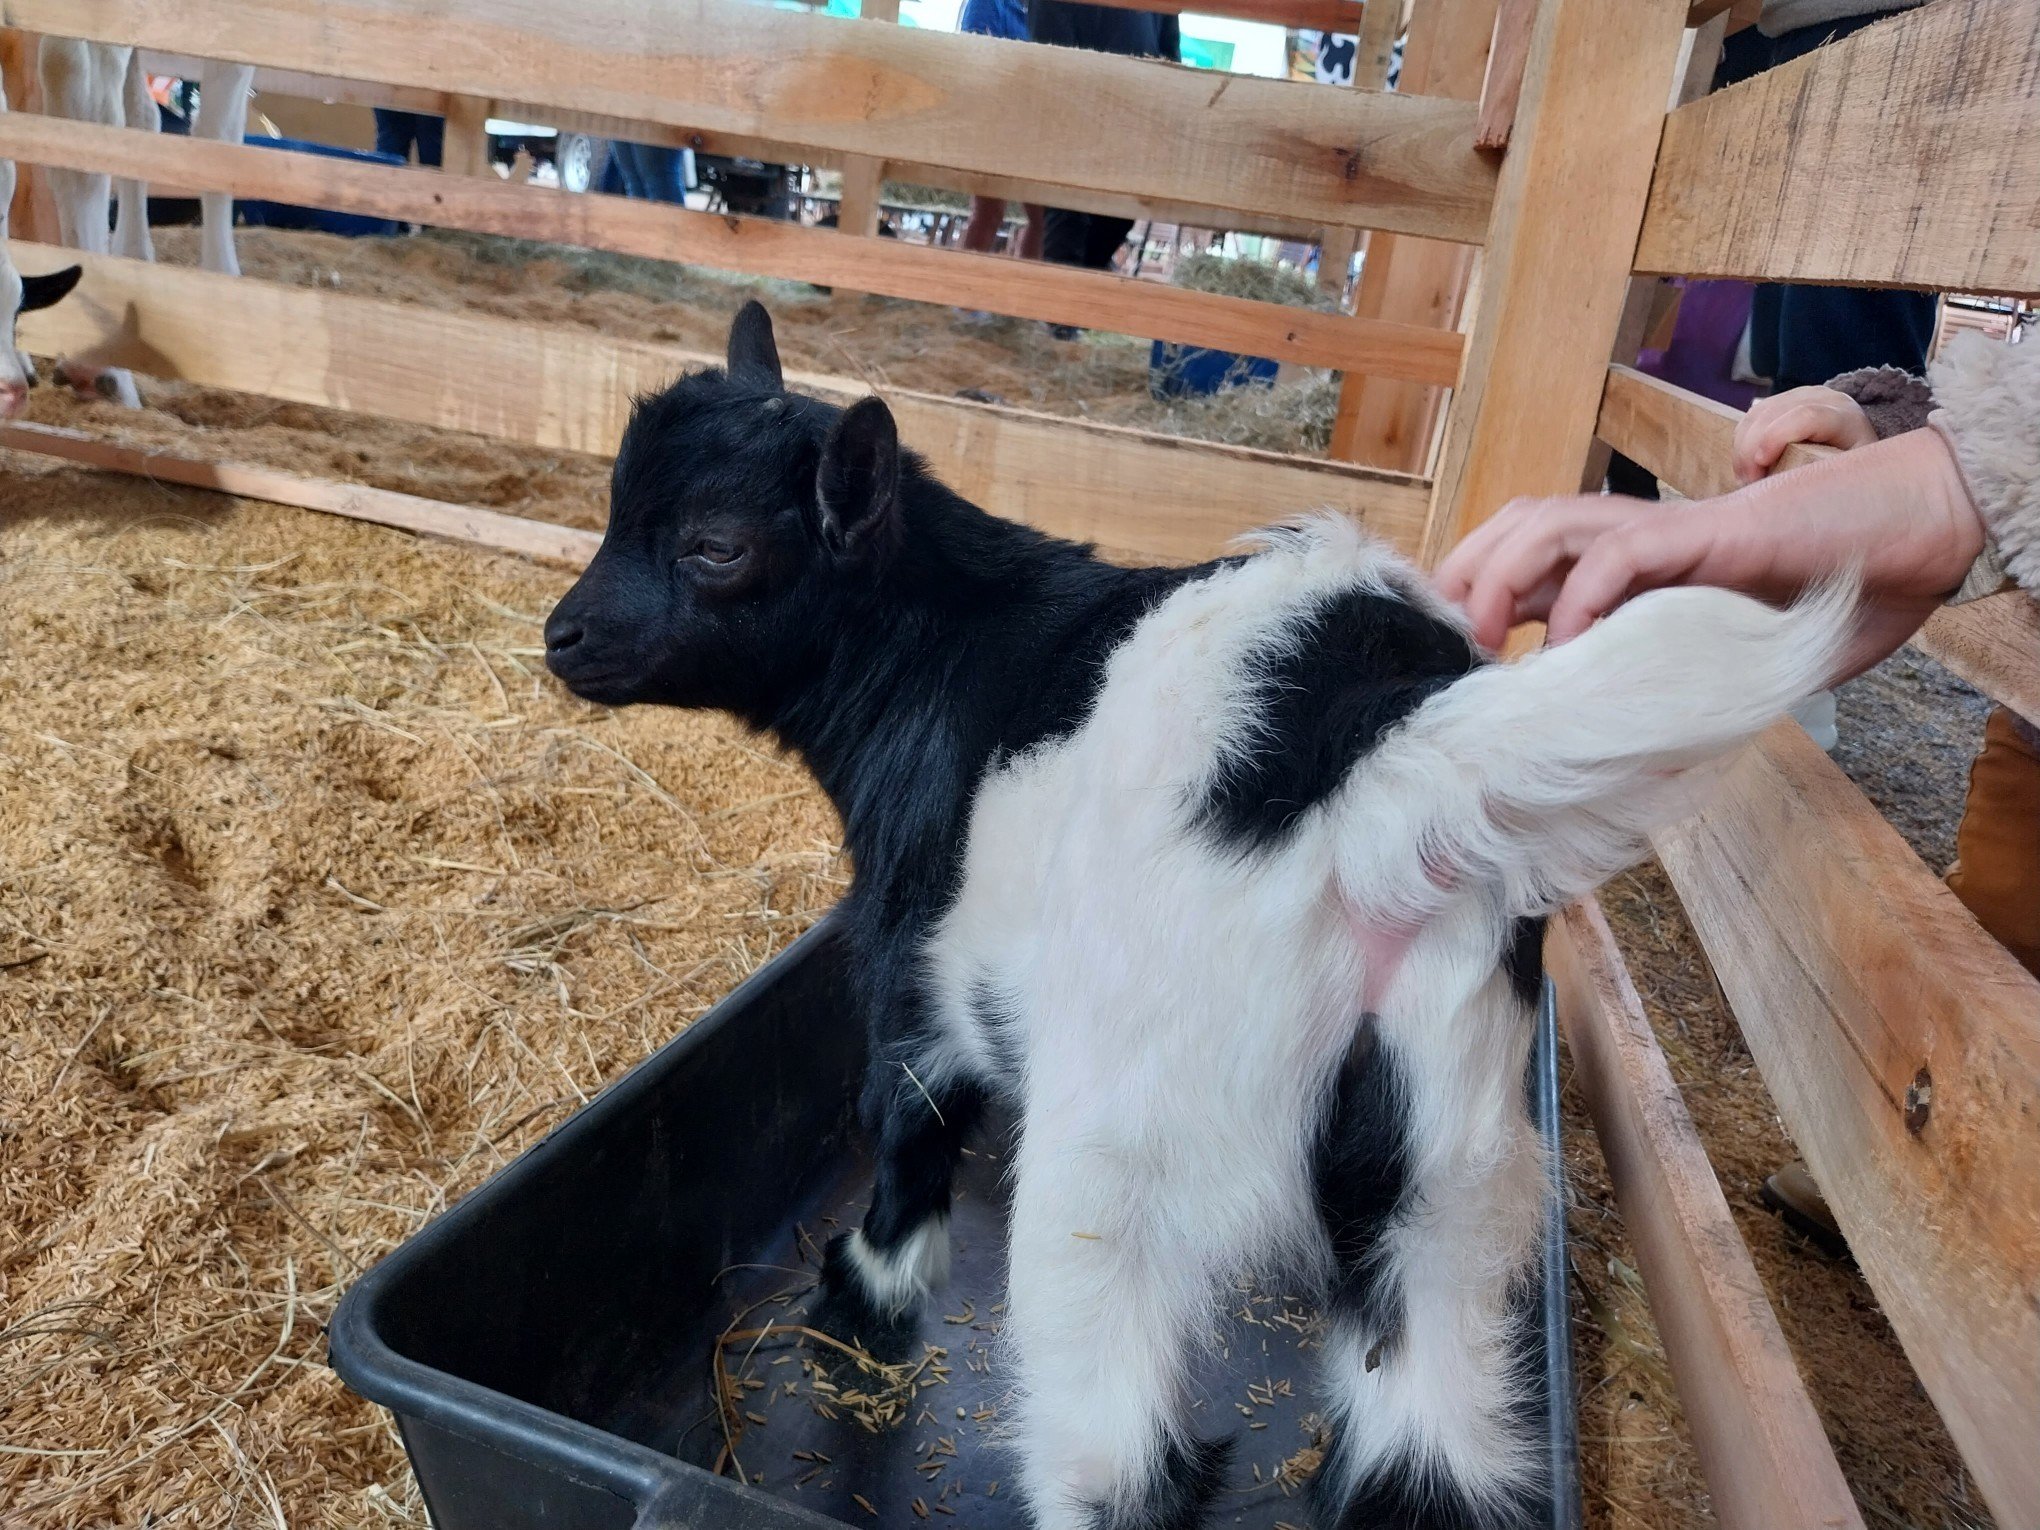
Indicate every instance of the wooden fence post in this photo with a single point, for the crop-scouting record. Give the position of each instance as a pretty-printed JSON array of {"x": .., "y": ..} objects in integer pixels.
[
  {"x": 1556, "y": 271},
  {"x": 1420, "y": 281}
]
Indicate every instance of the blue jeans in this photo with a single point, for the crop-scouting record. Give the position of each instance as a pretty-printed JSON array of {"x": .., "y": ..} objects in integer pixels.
[
  {"x": 650, "y": 173},
  {"x": 396, "y": 132}
]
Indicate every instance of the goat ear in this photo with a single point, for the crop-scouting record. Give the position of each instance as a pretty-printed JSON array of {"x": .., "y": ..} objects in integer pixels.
[
  {"x": 754, "y": 358},
  {"x": 41, "y": 291},
  {"x": 859, "y": 481}
]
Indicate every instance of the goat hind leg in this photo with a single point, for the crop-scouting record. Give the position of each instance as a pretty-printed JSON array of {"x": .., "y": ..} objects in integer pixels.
[
  {"x": 875, "y": 1279},
  {"x": 1101, "y": 1322}
]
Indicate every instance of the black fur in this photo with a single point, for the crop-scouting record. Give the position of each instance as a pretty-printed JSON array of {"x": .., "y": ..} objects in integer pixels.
[
  {"x": 1524, "y": 960},
  {"x": 1337, "y": 681},
  {"x": 42, "y": 291},
  {"x": 1408, "y": 1496},
  {"x": 1183, "y": 1487},
  {"x": 1361, "y": 1173}
]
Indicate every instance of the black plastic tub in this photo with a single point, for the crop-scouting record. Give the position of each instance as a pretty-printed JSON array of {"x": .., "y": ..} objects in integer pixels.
[{"x": 547, "y": 1346}]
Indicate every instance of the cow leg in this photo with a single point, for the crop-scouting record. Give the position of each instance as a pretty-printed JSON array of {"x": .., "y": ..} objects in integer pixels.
[
  {"x": 875, "y": 1279},
  {"x": 131, "y": 221},
  {"x": 223, "y": 117},
  {"x": 82, "y": 82}
]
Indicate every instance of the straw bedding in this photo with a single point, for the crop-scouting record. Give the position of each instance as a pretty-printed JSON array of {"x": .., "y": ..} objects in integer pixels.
[{"x": 317, "y": 904}]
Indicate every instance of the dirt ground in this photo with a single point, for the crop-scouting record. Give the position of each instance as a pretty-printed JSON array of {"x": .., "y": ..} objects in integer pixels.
[{"x": 318, "y": 903}]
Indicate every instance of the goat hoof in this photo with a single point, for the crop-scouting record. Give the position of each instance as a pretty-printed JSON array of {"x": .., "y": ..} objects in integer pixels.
[{"x": 844, "y": 1310}]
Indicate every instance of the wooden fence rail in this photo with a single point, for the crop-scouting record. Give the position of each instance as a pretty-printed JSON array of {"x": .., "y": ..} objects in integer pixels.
[
  {"x": 761, "y": 246},
  {"x": 1316, "y": 153},
  {"x": 1901, "y": 155},
  {"x": 1178, "y": 500}
]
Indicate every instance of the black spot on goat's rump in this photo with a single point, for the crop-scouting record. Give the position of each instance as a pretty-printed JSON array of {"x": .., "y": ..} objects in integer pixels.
[
  {"x": 1524, "y": 959},
  {"x": 1186, "y": 1481},
  {"x": 1411, "y": 1494},
  {"x": 1329, "y": 686},
  {"x": 1361, "y": 1175}
]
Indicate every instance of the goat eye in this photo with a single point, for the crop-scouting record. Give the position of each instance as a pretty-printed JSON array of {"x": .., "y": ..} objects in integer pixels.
[{"x": 717, "y": 554}]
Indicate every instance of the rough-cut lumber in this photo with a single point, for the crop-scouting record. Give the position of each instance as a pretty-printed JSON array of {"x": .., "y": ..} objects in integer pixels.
[
  {"x": 318, "y": 87},
  {"x": 1686, "y": 440},
  {"x": 1325, "y": 15},
  {"x": 1151, "y": 497},
  {"x": 1380, "y": 421},
  {"x": 1994, "y": 644},
  {"x": 1328, "y": 156},
  {"x": 1761, "y": 1447},
  {"x": 761, "y": 246},
  {"x": 467, "y": 137},
  {"x": 540, "y": 540},
  {"x": 1502, "y": 92},
  {"x": 1901, "y": 155},
  {"x": 1902, "y": 1045},
  {"x": 1558, "y": 257}
]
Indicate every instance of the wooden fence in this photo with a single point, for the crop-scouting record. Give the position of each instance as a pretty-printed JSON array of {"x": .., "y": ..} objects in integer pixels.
[{"x": 1901, "y": 1044}]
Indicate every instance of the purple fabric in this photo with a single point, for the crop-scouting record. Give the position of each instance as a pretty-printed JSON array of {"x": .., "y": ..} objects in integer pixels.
[{"x": 1701, "y": 357}]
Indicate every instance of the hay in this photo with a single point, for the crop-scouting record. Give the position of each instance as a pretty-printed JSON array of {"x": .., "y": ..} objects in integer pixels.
[
  {"x": 317, "y": 904},
  {"x": 1262, "y": 281}
]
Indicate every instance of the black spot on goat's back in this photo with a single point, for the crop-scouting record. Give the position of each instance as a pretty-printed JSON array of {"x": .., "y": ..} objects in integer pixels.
[{"x": 1330, "y": 685}]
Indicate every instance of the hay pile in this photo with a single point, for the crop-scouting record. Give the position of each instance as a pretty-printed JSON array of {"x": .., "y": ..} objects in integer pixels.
[{"x": 317, "y": 904}]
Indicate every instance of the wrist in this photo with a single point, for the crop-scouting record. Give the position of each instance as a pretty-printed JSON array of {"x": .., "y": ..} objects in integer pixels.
[{"x": 1954, "y": 534}]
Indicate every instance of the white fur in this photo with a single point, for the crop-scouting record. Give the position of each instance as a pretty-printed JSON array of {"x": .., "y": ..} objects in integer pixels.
[
  {"x": 99, "y": 82},
  {"x": 898, "y": 1279},
  {"x": 14, "y": 368},
  {"x": 1183, "y": 1010}
]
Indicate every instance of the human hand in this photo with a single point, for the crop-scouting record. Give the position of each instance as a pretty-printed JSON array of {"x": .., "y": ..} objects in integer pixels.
[
  {"x": 1825, "y": 416},
  {"x": 1896, "y": 511}
]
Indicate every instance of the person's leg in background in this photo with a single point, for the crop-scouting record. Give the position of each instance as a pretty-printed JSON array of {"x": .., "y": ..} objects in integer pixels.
[
  {"x": 431, "y": 139},
  {"x": 395, "y": 132},
  {"x": 625, "y": 156}
]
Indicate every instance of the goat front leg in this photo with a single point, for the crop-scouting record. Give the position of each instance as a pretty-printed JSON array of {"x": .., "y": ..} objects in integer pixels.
[
  {"x": 223, "y": 117},
  {"x": 875, "y": 1279},
  {"x": 1104, "y": 1305}
]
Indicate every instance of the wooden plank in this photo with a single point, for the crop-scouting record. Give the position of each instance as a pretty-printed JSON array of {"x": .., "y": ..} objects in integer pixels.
[
  {"x": 863, "y": 176},
  {"x": 761, "y": 246},
  {"x": 1373, "y": 52},
  {"x": 1557, "y": 262},
  {"x": 898, "y": 93},
  {"x": 1324, "y": 15},
  {"x": 1902, "y": 1046},
  {"x": 1686, "y": 440},
  {"x": 1994, "y": 644},
  {"x": 1502, "y": 92},
  {"x": 539, "y": 540},
  {"x": 1898, "y": 156},
  {"x": 467, "y": 137},
  {"x": 319, "y": 87},
  {"x": 1145, "y": 497},
  {"x": 1761, "y": 1447},
  {"x": 32, "y": 214},
  {"x": 1415, "y": 281}
]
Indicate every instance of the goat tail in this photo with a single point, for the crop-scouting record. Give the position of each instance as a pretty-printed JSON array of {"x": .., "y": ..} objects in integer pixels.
[{"x": 1545, "y": 777}]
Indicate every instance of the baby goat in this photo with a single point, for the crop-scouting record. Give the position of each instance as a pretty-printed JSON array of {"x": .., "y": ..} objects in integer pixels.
[{"x": 1230, "y": 877}]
